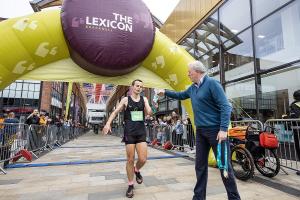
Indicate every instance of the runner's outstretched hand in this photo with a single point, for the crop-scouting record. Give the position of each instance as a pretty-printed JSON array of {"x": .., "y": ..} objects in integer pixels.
[{"x": 106, "y": 129}]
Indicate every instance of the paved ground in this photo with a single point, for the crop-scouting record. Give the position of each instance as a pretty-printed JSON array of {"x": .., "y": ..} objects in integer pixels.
[{"x": 164, "y": 179}]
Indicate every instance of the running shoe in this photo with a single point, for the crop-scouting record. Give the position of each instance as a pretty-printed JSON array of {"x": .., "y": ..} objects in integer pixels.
[
  {"x": 139, "y": 178},
  {"x": 129, "y": 192}
]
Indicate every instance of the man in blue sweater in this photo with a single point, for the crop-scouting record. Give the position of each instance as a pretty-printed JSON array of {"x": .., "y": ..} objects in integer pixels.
[{"x": 212, "y": 114}]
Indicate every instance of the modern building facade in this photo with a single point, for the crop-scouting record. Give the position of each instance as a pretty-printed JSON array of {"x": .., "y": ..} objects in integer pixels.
[
  {"x": 22, "y": 97},
  {"x": 252, "y": 47}
]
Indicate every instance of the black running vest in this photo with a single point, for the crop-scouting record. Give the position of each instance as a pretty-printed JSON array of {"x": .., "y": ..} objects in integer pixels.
[{"x": 134, "y": 127}]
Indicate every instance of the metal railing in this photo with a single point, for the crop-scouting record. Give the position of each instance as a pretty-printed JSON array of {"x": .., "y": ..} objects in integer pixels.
[
  {"x": 288, "y": 134},
  {"x": 34, "y": 138},
  {"x": 13, "y": 138},
  {"x": 117, "y": 130},
  {"x": 181, "y": 138},
  {"x": 287, "y": 131},
  {"x": 54, "y": 136},
  {"x": 163, "y": 134},
  {"x": 37, "y": 137}
]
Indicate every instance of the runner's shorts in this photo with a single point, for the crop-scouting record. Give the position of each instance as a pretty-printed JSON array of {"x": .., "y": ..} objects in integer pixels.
[{"x": 134, "y": 139}]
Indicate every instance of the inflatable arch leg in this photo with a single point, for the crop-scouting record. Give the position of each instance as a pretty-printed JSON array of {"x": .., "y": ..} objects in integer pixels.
[{"x": 34, "y": 48}]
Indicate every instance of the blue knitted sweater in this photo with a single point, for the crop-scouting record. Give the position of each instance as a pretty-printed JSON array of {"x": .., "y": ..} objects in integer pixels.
[{"x": 210, "y": 105}]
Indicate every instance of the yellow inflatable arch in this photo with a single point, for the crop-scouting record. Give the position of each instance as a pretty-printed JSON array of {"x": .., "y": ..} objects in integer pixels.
[{"x": 33, "y": 48}]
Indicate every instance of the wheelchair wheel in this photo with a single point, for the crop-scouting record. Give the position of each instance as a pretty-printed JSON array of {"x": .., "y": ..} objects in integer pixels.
[
  {"x": 242, "y": 163},
  {"x": 268, "y": 164}
]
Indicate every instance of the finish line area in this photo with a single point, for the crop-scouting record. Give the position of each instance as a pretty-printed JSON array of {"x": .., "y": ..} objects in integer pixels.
[{"x": 93, "y": 166}]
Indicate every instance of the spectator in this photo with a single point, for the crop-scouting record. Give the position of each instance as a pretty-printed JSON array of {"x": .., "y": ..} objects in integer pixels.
[
  {"x": 155, "y": 129},
  {"x": 9, "y": 133},
  {"x": 43, "y": 119},
  {"x": 168, "y": 129},
  {"x": 2, "y": 118},
  {"x": 179, "y": 133},
  {"x": 11, "y": 120},
  {"x": 295, "y": 114},
  {"x": 33, "y": 118},
  {"x": 159, "y": 134},
  {"x": 57, "y": 121},
  {"x": 147, "y": 121},
  {"x": 162, "y": 125},
  {"x": 67, "y": 123},
  {"x": 175, "y": 116},
  {"x": 190, "y": 134}
]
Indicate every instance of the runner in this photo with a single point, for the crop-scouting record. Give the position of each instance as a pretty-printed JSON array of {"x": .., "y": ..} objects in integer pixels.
[{"x": 136, "y": 108}]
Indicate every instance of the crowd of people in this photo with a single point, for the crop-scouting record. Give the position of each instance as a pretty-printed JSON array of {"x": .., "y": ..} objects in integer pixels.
[
  {"x": 7, "y": 129},
  {"x": 38, "y": 118},
  {"x": 170, "y": 128},
  {"x": 43, "y": 118},
  {"x": 10, "y": 126}
]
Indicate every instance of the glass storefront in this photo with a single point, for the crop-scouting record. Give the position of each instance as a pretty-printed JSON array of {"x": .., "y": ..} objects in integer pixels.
[
  {"x": 277, "y": 91},
  {"x": 57, "y": 93},
  {"x": 252, "y": 47},
  {"x": 166, "y": 105},
  {"x": 265, "y": 7},
  {"x": 235, "y": 16},
  {"x": 243, "y": 99},
  {"x": 20, "y": 97},
  {"x": 277, "y": 37},
  {"x": 238, "y": 56},
  {"x": 203, "y": 45}
]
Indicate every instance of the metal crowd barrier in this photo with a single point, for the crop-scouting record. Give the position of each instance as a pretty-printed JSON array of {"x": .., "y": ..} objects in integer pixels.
[
  {"x": 288, "y": 134},
  {"x": 58, "y": 135},
  {"x": 182, "y": 140},
  {"x": 37, "y": 137},
  {"x": 54, "y": 136},
  {"x": 67, "y": 133},
  {"x": 13, "y": 138},
  {"x": 117, "y": 130},
  {"x": 77, "y": 131},
  {"x": 190, "y": 136},
  {"x": 167, "y": 133},
  {"x": 287, "y": 131},
  {"x": 34, "y": 138},
  {"x": 163, "y": 134}
]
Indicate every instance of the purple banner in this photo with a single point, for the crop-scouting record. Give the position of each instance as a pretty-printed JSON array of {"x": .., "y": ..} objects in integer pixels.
[{"x": 108, "y": 37}]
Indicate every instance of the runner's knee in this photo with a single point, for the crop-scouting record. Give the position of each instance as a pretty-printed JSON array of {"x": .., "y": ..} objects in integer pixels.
[
  {"x": 130, "y": 161},
  {"x": 142, "y": 160}
]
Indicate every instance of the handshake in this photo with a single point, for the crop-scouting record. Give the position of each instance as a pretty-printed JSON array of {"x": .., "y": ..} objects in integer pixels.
[{"x": 158, "y": 93}]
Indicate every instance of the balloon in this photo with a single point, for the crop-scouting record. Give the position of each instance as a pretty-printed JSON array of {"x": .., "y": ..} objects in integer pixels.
[{"x": 108, "y": 37}]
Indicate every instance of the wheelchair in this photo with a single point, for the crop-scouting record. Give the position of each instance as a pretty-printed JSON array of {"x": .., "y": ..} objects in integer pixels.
[{"x": 247, "y": 151}]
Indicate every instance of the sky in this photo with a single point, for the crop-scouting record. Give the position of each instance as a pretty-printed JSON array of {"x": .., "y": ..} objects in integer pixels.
[{"x": 16, "y": 8}]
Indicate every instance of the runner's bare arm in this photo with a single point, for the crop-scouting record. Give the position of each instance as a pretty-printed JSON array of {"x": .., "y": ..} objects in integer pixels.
[
  {"x": 148, "y": 109},
  {"x": 123, "y": 103}
]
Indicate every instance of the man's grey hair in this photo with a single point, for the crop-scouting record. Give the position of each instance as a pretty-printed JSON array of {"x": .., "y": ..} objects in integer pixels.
[{"x": 197, "y": 66}]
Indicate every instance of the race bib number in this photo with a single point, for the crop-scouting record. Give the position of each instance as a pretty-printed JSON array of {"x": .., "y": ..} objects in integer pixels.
[{"x": 136, "y": 116}]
